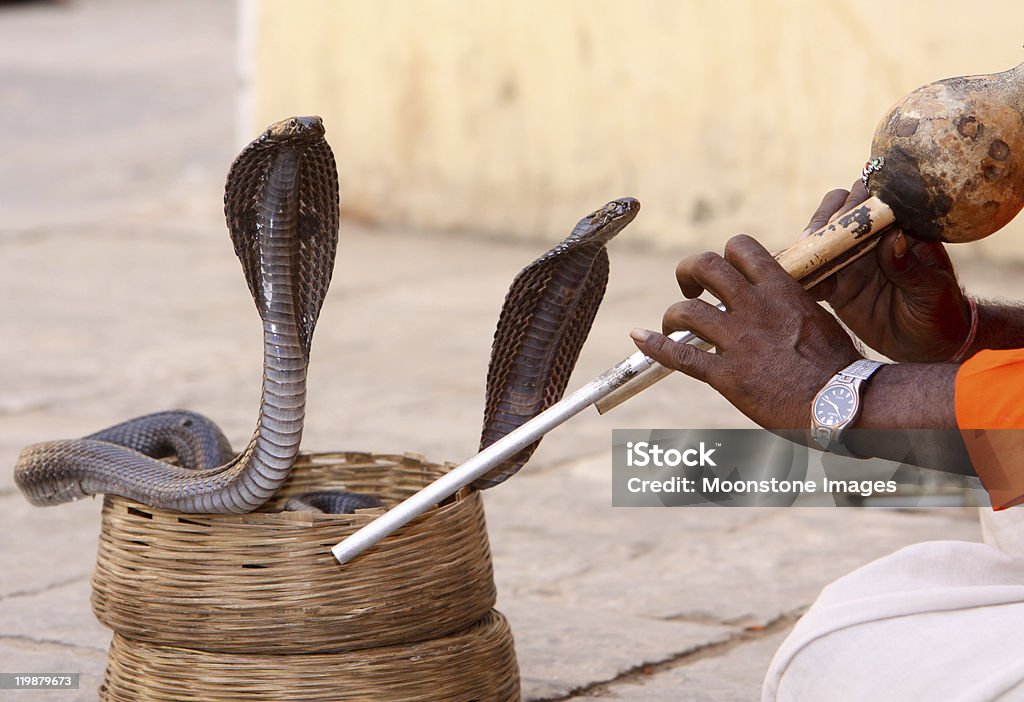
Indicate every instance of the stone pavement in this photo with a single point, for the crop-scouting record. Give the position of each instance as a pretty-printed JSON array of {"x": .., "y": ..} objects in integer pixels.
[{"x": 120, "y": 295}]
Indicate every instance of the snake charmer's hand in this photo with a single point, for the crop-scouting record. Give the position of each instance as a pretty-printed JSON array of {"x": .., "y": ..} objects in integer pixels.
[
  {"x": 903, "y": 299},
  {"x": 776, "y": 346}
]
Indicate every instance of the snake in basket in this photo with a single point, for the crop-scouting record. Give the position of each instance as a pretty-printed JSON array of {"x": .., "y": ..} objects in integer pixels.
[{"x": 281, "y": 204}]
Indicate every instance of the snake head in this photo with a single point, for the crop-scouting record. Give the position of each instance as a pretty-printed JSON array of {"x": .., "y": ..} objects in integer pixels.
[
  {"x": 601, "y": 225},
  {"x": 616, "y": 210},
  {"x": 610, "y": 219},
  {"x": 295, "y": 128}
]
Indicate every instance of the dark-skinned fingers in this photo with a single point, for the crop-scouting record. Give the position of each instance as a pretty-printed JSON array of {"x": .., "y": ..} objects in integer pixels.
[
  {"x": 685, "y": 358},
  {"x": 932, "y": 254},
  {"x": 709, "y": 271},
  {"x": 703, "y": 319},
  {"x": 902, "y": 264},
  {"x": 850, "y": 279},
  {"x": 755, "y": 263},
  {"x": 823, "y": 290},
  {"x": 826, "y": 212},
  {"x": 858, "y": 194},
  {"x": 862, "y": 279},
  {"x": 830, "y": 204}
]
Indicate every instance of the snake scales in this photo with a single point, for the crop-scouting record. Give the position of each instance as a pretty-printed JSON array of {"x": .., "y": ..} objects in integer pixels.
[
  {"x": 281, "y": 205},
  {"x": 544, "y": 321}
]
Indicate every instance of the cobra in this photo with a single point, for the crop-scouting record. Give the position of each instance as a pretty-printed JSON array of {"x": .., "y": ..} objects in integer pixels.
[
  {"x": 281, "y": 205},
  {"x": 545, "y": 319}
]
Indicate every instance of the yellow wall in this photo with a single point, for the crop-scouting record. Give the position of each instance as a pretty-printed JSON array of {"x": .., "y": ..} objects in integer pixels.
[{"x": 516, "y": 118}]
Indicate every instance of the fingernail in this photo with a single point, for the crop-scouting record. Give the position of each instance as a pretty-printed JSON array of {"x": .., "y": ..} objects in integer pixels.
[
  {"x": 899, "y": 246},
  {"x": 639, "y": 335}
]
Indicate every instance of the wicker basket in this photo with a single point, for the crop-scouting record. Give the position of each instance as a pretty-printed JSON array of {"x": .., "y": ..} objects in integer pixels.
[
  {"x": 227, "y": 607},
  {"x": 268, "y": 583},
  {"x": 476, "y": 664}
]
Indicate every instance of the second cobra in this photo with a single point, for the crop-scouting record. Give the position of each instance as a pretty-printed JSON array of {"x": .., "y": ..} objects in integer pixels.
[{"x": 281, "y": 205}]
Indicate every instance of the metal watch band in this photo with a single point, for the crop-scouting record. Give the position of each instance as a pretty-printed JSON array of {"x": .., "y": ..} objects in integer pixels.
[{"x": 860, "y": 370}]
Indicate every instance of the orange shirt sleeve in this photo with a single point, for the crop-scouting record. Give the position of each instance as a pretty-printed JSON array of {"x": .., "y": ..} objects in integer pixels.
[{"x": 990, "y": 416}]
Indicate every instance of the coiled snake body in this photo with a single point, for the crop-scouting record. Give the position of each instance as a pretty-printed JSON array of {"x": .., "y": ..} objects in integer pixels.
[{"x": 281, "y": 205}]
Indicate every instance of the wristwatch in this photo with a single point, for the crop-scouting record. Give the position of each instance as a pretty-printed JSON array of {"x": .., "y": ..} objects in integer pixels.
[{"x": 837, "y": 405}]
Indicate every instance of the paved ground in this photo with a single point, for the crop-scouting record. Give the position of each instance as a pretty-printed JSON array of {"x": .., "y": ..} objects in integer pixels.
[{"x": 120, "y": 296}]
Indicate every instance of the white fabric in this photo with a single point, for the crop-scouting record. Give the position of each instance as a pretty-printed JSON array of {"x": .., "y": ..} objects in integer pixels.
[
  {"x": 1004, "y": 530},
  {"x": 941, "y": 620}
]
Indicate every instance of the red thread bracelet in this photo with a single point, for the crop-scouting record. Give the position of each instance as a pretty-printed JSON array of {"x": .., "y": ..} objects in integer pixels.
[{"x": 969, "y": 341}]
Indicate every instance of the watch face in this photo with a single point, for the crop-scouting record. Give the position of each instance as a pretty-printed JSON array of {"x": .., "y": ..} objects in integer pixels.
[{"x": 834, "y": 405}]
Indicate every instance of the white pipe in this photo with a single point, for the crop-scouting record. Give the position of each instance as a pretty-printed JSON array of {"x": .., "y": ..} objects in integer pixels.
[{"x": 480, "y": 464}]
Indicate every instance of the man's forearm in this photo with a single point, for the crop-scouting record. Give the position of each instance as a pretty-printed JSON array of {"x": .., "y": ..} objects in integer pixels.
[
  {"x": 909, "y": 411},
  {"x": 1000, "y": 326},
  {"x": 909, "y": 416}
]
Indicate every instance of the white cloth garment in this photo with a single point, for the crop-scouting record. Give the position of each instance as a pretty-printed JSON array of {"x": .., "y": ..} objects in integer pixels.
[{"x": 940, "y": 620}]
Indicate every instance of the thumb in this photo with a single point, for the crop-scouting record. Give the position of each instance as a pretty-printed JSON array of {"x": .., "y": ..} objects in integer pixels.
[
  {"x": 685, "y": 358},
  {"x": 901, "y": 264}
]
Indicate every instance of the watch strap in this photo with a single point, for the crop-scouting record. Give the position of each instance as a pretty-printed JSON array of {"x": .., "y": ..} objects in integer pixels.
[
  {"x": 860, "y": 369},
  {"x": 830, "y": 438}
]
